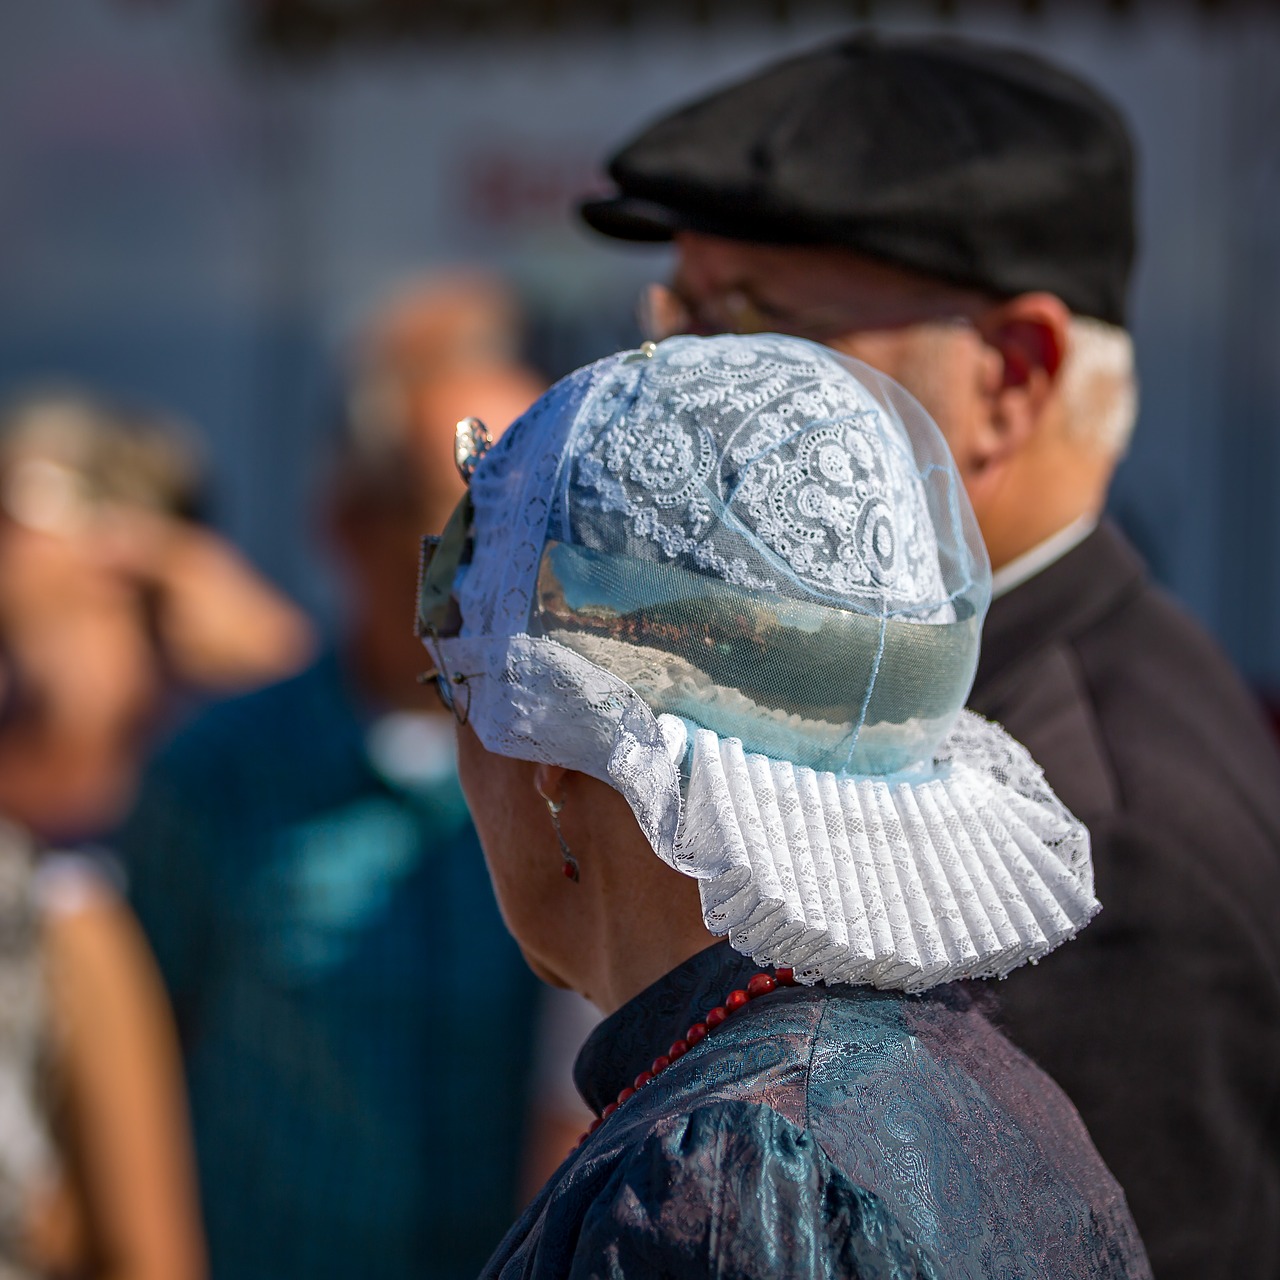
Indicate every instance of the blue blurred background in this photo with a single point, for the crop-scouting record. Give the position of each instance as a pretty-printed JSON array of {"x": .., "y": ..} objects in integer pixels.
[{"x": 200, "y": 198}]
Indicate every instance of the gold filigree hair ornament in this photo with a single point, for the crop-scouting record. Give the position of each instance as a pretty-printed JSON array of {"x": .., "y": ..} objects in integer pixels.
[
  {"x": 438, "y": 616},
  {"x": 471, "y": 441}
]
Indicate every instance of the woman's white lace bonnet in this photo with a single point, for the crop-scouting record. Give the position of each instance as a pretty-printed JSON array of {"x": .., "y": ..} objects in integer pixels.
[{"x": 738, "y": 579}]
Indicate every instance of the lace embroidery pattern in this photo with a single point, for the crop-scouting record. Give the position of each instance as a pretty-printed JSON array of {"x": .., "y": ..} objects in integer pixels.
[
  {"x": 771, "y": 440},
  {"x": 968, "y": 872},
  {"x": 769, "y": 464},
  {"x": 533, "y": 699}
]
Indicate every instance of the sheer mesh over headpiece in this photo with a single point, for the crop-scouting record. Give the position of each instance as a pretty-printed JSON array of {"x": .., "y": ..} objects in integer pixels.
[{"x": 738, "y": 579}]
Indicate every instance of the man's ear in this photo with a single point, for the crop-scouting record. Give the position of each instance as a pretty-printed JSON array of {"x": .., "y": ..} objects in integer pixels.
[{"x": 1029, "y": 335}]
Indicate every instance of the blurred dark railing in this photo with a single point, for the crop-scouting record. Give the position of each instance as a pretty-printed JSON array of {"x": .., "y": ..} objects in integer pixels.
[{"x": 316, "y": 26}]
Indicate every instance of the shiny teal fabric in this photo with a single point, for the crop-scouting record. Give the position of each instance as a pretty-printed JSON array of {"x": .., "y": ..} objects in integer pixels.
[{"x": 838, "y": 1132}]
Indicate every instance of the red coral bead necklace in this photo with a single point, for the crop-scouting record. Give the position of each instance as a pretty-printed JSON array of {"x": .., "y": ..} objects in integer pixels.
[{"x": 761, "y": 984}]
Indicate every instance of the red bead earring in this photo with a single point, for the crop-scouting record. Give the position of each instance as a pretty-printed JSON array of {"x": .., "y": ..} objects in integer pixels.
[{"x": 569, "y": 865}]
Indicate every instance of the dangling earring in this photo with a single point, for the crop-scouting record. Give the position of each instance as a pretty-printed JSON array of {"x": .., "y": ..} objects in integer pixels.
[{"x": 570, "y": 864}]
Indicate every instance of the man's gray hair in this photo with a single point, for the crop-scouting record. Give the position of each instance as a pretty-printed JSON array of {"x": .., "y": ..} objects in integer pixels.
[{"x": 1100, "y": 385}]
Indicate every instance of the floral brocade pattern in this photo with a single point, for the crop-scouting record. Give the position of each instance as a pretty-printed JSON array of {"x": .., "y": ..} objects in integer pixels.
[{"x": 824, "y": 1133}]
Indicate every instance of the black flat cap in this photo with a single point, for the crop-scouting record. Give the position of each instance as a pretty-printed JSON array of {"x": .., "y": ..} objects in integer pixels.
[{"x": 981, "y": 165}]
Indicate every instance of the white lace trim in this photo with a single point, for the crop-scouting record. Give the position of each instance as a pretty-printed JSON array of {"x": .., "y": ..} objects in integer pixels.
[
  {"x": 967, "y": 871},
  {"x": 534, "y": 699}
]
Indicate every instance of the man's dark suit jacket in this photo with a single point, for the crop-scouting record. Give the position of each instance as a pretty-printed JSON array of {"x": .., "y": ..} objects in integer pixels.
[{"x": 1162, "y": 1019}]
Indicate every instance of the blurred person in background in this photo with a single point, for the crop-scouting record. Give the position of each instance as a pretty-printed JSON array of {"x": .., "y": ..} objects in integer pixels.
[
  {"x": 359, "y": 1031},
  {"x": 960, "y": 216},
  {"x": 114, "y": 602}
]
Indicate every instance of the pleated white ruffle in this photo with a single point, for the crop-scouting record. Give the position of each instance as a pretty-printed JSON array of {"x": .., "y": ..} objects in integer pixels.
[{"x": 969, "y": 870}]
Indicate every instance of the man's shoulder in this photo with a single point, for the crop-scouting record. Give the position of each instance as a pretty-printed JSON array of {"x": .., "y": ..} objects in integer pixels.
[
  {"x": 1173, "y": 714},
  {"x": 1146, "y": 732},
  {"x": 1135, "y": 707}
]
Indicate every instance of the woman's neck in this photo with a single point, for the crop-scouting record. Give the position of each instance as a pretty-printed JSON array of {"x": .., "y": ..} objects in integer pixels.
[
  {"x": 627, "y": 973},
  {"x": 646, "y": 917}
]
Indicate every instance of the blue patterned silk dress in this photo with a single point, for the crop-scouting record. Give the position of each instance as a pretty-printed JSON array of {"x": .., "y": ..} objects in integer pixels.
[{"x": 822, "y": 1132}]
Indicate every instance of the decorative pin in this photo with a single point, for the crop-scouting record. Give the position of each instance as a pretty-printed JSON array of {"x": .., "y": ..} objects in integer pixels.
[
  {"x": 643, "y": 352},
  {"x": 471, "y": 441}
]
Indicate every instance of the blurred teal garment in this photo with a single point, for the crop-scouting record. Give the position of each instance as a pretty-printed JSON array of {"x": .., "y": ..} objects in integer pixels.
[
  {"x": 822, "y": 1133},
  {"x": 357, "y": 1023}
]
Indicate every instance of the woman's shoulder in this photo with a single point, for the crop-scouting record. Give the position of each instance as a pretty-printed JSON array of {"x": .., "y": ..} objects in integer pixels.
[
  {"x": 733, "y": 1187},
  {"x": 914, "y": 1114},
  {"x": 963, "y": 1137},
  {"x": 833, "y": 1134}
]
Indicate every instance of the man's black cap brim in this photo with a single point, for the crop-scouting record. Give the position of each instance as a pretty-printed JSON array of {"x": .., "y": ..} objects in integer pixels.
[
  {"x": 624, "y": 217},
  {"x": 629, "y": 218}
]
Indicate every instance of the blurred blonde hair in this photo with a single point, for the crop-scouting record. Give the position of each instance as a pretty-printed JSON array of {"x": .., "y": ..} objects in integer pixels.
[{"x": 65, "y": 451}]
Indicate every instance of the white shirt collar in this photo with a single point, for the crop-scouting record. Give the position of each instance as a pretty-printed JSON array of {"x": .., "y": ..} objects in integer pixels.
[{"x": 1042, "y": 555}]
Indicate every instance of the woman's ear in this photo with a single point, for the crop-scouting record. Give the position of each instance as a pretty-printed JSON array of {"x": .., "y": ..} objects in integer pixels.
[{"x": 549, "y": 782}]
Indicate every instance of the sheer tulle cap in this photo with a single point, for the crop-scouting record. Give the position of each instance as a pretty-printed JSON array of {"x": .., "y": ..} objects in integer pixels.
[{"x": 738, "y": 579}]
